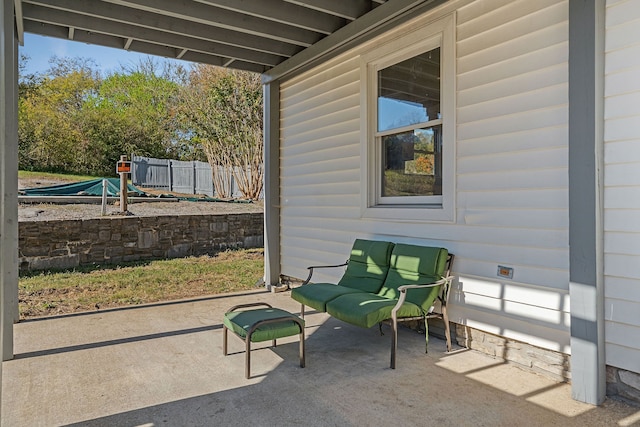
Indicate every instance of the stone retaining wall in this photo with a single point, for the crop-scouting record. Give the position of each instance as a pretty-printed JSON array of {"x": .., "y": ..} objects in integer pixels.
[{"x": 111, "y": 240}]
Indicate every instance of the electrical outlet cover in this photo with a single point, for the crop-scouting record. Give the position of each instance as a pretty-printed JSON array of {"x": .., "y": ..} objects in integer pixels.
[{"x": 505, "y": 272}]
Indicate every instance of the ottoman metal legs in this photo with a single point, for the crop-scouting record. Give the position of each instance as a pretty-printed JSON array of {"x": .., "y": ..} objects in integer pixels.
[{"x": 261, "y": 324}]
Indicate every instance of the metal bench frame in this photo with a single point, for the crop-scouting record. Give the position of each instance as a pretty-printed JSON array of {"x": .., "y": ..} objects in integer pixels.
[{"x": 443, "y": 297}]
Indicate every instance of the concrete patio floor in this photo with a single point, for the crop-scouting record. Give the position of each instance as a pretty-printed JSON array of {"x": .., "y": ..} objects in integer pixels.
[{"x": 162, "y": 365}]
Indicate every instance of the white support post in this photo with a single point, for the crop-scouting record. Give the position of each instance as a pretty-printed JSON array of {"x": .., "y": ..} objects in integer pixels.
[
  {"x": 8, "y": 179},
  {"x": 271, "y": 184},
  {"x": 586, "y": 253}
]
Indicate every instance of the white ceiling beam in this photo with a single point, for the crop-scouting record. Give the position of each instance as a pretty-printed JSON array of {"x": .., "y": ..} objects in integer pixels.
[
  {"x": 198, "y": 12},
  {"x": 62, "y": 18},
  {"x": 248, "y": 34},
  {"x": 116, "y": 42},
  {"x": 351, "y": 9},
  {"x": 283, "y": 12},
  {"x": 127, "y": 15}
]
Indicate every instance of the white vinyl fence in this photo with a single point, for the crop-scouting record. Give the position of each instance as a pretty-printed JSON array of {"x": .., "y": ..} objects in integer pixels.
[{"x": 174, "y": 175}]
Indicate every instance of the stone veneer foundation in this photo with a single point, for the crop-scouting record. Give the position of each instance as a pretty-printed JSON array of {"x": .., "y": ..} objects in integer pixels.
[{"x": 620, "y": 383}]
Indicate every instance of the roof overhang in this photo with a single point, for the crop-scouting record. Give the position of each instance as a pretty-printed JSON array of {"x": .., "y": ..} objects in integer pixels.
[
  {"x": 272, "y": 37},
  {"x": 250, "y": 35}
]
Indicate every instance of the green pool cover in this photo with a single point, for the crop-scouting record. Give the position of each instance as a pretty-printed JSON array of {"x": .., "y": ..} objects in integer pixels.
[
  {"x": 94, "y": 188},
  {"x": 85, "y": 188}
]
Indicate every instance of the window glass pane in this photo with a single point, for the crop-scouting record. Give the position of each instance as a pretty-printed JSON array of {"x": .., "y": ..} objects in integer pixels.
[
  {"x": 412, "y": 163},
  {"x": 409, "y": 91}
]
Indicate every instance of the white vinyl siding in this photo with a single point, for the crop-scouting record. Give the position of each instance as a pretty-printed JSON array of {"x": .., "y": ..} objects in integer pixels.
[
  {"x": 622, "y": 185},
  {"x": 320, "y": 165},
  {"x": 511, "y": 194},
  {"x": 512, "y": 173}
]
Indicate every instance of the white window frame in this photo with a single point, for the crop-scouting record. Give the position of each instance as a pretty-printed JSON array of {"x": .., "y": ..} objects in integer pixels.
[{"x": 406, "y": 44}]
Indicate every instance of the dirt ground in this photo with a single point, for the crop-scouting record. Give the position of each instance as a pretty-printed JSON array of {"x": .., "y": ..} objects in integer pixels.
[{"x": 49, "y": 211}]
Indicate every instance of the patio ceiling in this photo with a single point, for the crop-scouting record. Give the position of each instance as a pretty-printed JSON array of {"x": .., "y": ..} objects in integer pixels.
[{"x": 253, "y": 35}]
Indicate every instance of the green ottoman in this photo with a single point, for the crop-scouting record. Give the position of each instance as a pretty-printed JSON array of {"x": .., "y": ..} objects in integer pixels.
[{"x": 261, "y": 324}]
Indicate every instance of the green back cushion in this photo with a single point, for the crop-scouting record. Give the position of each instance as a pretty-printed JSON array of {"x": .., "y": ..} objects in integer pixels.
[
  {"x": 415, "y": 265},
  {"x": 368, "y": 265}
]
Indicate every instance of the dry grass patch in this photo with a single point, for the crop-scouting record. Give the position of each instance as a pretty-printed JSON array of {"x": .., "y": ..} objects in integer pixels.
[{"x": 91, "y": 288}]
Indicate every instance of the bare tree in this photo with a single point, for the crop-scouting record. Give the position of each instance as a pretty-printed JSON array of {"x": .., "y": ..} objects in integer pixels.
[{"x": 223, "y": 110}]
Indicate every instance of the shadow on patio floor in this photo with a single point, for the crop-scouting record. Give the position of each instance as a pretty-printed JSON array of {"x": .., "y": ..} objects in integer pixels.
[{"x": 163, "y": 365}]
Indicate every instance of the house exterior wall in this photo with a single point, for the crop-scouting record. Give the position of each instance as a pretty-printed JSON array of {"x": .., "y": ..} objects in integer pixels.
[
  {"x": 622, "y": 185},
  {"x": 511, "y": 193}
]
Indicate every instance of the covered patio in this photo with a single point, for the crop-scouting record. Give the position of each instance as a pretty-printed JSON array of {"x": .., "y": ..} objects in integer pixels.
[{"x": 162, "y": 364}]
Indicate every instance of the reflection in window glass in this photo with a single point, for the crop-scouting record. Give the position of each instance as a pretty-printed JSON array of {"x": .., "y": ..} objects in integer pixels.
[
  {"x": 412, "y": 163},
  {"x": 409, "y": 91}
]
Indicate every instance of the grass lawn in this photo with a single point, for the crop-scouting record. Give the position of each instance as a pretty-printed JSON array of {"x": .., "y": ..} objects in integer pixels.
[
  {"x": 53, "y": 176},
  {"x": 90, "y": 288}
]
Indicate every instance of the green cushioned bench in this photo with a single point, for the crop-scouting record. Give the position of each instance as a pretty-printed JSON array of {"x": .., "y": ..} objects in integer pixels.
[
  {"x": 261, "y": 324},
  {"x": 384, "y": 282}
]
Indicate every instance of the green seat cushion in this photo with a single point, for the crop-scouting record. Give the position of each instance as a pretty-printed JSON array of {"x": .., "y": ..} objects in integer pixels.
[
  {"x": 365, "y": 310},
  {"x": 414, "y": 265},
  {"x": 241, "y": 321},
  {"x": 368, "y": 265},
  {"x": 317, "y": 295}
]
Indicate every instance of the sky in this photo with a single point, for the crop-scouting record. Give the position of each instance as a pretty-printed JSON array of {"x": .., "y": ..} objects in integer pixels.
[{"x": 40, "y": 49}]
